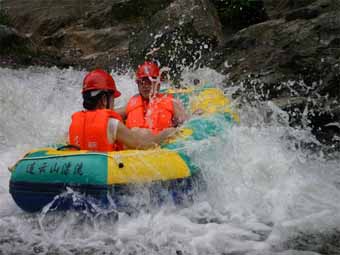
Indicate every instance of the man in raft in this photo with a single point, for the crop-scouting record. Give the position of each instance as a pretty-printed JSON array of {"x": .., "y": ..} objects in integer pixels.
[
  {"x": 150, "y": 109},
  {"x": 99, "y": 127}
]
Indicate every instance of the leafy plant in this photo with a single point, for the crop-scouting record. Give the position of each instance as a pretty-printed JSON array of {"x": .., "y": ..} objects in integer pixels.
[{"x": 4, "y": 18}]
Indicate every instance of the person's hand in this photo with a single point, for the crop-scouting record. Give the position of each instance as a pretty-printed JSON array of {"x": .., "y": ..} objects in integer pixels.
[
  {"x": 170, "y": 132},
  {"x": 168, "y": 135}
]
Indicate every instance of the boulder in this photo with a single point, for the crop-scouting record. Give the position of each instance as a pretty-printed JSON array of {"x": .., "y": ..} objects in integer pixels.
[
  {"x": 17, "y": 50},
  {"x": 11, "y": 40},
  {"x": 178, "y": 35},
  {"x": 277, "y": 51},
  {"x": 277, "y": 9},
  {"x": 83, "y": 46},
  {"x": 295, "y": 56},
  {"x": 132, "y": 9},
  {"x": 41, "y": 17},
  {"x": 236, "y": 15},
  {"x": 14, "y": 45},
  {"x": 89, "y": 33}
]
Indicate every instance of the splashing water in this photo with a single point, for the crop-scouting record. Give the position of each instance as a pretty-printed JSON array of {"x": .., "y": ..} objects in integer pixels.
[{"x": 266, "y": 194}]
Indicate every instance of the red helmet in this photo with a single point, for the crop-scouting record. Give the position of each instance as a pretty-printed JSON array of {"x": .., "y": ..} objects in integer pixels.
[
  {"x": 100, "y": 80},
  {"x": 148, "y": 69}
]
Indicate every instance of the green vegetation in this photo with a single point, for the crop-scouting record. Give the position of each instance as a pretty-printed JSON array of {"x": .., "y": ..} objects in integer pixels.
[
  {"x": 4, "y": 18},
  {"x": 240, "y": 13}
]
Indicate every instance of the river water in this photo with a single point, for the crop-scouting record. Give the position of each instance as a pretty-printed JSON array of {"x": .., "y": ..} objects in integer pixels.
[{"x": 266, "y": 193}]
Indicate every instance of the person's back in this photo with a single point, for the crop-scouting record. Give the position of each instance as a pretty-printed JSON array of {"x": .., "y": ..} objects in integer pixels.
[
  {"x": 90, "y": 130},
  {"x": 99, "y": 127}
]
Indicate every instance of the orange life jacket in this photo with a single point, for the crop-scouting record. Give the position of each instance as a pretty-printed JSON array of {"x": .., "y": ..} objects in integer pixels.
[
  {"x": 88, "y": 130},
  {"x": 155, "y": 115}
]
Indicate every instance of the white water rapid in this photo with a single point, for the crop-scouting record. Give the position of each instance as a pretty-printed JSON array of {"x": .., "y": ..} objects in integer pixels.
[{"x": 266, "y": 194}]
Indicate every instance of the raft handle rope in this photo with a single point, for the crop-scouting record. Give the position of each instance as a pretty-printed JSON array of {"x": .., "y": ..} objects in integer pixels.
[{"x": 68, "y": 146}]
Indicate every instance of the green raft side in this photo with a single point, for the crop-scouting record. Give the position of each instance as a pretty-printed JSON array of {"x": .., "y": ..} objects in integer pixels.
[
  {"x": 89, "y": 168},
  {"x": 192, "y": 167},
  {"x": 202, "y": 128}
]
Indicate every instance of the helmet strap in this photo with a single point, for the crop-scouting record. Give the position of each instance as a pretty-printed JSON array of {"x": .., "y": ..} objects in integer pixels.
[{"x": 108, "y": 96}]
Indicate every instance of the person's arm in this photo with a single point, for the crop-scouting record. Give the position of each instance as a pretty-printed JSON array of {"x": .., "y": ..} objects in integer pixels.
[
  {"x": 180, "y": 114},
  {"x": 139, "y": 141},
  {"x": 121, "y": 111}
]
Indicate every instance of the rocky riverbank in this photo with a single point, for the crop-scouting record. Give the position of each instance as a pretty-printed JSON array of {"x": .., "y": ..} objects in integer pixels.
[{"x": 284, "y": 51}]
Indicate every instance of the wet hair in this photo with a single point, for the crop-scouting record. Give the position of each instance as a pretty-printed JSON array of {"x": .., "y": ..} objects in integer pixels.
[{"x": 90, "y": 102}]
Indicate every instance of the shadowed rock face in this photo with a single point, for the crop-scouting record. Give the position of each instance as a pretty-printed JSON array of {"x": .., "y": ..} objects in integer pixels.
[
  {"x": 10, "y": 38},
  {"x": 178, "y": 35},
  {"x": 295, "y": 56},
  {"x": 88, "y": 33},
  {"x": 14, "y": 47},
  {"x": 101, "y": 33},
  {"x": 44, "y": 17},
  {"x": 235, "y": 16},
  {"x": 277, "y": 8}
]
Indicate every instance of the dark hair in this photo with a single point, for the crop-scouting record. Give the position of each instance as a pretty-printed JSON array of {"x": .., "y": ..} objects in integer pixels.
[{"x": 90, "y": 102}]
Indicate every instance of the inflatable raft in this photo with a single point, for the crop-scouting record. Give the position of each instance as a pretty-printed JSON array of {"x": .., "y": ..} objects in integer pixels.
[{"x": 42, "y": 175}]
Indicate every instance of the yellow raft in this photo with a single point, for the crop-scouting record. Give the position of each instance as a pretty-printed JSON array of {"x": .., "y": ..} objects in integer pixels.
[{"x": 45, "y": 173}]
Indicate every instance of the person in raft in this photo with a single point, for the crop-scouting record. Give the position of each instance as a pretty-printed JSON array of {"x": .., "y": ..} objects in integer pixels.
[
  {"x": 99, "y": 127},
  {"x": 150, "y": 109}
]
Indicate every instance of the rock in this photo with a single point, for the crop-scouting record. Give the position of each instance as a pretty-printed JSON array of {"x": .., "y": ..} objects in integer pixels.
[
  {"x": 9, "y": 37},
  {"x": 17, "y": 50},
  {"x": 277, "y": 51},
  {"x": 130, "y": 9},
  {"x": 178, "y": 35},
  {"x": 53, "y": 26},
  {"x": 89, "y": 33},
  {"x": 286, "y": 103},
  {"x": 293, "y": 57},
  {"x": 88, "y": 41},
  {"x": 12, "y": 42},
  {"x": 236, "y": 15},
  {"x": 279, "y": 9},
  {"x": 41, "y": 17},
  {"x": 303, "y": 13},
  {"x": 276, "y": 9}
]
